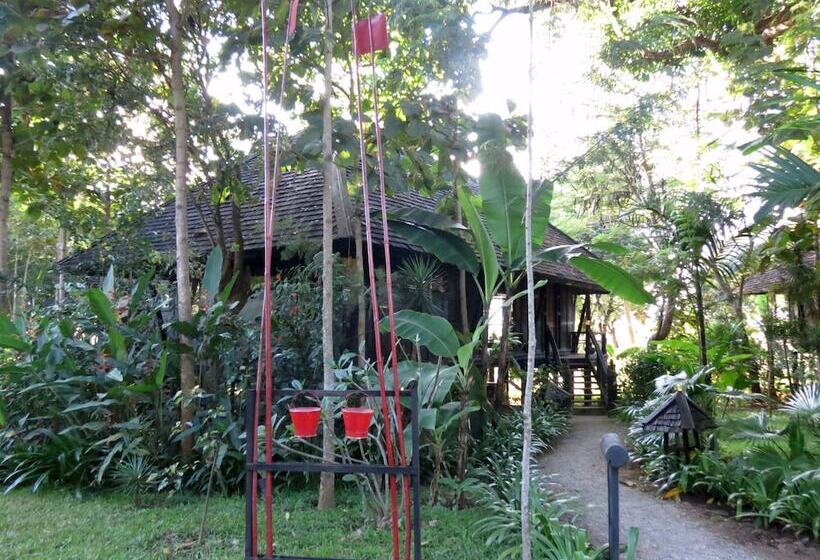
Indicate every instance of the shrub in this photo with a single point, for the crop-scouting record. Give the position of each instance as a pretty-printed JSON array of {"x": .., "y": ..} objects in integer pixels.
[
  {"x": 776, "y": 479},
  {"x": 639, "y": 374}
]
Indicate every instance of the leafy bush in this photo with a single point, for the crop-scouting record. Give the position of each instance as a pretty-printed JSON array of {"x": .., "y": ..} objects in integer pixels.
[
  {"x": 496, "y": 486},
  {"x": 776, "y": 479},
  {"x": 639, "y": 374},
  {"x": 88, "y": 392}
]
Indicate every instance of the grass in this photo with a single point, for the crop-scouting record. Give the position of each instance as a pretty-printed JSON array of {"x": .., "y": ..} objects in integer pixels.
[{"x": 59, "y": 524}]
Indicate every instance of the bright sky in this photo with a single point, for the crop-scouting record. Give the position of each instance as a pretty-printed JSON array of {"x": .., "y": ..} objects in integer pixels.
[{"x": 568, "y": 107}]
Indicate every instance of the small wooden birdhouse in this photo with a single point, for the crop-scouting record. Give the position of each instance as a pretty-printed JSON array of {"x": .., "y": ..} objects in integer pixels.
[{"x": 679, "y": 415}]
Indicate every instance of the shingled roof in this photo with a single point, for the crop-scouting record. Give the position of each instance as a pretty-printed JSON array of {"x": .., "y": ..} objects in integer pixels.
[
  {"x": 298, "y": 216},
  {"x": 678, "y": 413},
  {"x": 776, "y": 279}
]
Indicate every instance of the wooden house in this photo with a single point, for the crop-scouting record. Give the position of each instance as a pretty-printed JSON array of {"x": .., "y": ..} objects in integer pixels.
[{"x": 564, "y": 337}]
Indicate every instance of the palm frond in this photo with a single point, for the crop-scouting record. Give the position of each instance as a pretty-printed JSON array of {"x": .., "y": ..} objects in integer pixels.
[
  {"x": 805, "y": 402},
  {"x": 785, "y": 181}
]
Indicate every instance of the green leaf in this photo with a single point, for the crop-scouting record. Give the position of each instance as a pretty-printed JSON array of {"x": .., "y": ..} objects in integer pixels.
[
  {"x": 433, "y": 381},
  {"x": 613, "y": 278},
  {"x": 101, "y": 306},
  {"x": 464, "y": 355},
  {"x": 7, "y": 327},
  {"x": 3, "y": 417},
  {"x": 486, "y": 249},
  {"x": 541, "y": 210},
  {"x": 427, "y": 419},
  {"x": 117, "y": 343},
  {"x": 433, "y": 332},
  {"x": 89, "y": 405},
  {"x": 226, "y": 291},
  {"x": 426, "y": 218},
  {"x": 139, "y": 291},
  {"x": 159, "y": 374},
  {"x": 503, "y": 191},
  {"x": 7, "y": 341},
  {"x": 445, "y": 246},
  {"x": 213, "y": 274},
  {"x": 185, "y": 328},
  {"x": 145, "y": 388},
  {"x": 558, "y": 253},
  {"x": 785, "y": 181}
]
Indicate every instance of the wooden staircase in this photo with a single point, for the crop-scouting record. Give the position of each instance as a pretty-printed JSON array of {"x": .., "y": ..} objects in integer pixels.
[{"x": 584, "y": 388}]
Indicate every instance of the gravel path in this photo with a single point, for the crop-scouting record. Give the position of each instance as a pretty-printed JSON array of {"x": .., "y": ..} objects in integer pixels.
[{"x": 669, "y": 530}]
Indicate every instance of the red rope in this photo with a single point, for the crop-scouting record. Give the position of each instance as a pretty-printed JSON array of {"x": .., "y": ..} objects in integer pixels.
[
  {"x": 374, "y": 301},
  {"x": 390, "y": 307},
  {"x": 265, "y": 362}
]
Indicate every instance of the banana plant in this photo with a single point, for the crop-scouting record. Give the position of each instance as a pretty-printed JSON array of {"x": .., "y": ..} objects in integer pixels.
[{"x": 490, "y": 246}]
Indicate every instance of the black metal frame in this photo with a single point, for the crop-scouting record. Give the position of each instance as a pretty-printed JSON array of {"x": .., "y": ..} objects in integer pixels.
[{"x": 413, "y": 470}]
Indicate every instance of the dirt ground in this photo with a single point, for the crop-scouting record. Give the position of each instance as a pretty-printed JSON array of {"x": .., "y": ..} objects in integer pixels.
[{"x": 669, "y": 530}]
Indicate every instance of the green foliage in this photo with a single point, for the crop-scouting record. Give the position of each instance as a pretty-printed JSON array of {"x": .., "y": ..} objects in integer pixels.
[
  {"x": 613, "y": 278},
  {"x": 434, "y": 333},
  {"x": 99, "y": 375},
  {"x": 773, "y": 475},
  {"x": 418, "y": 285},
  {"x": 497, "y": 489},
  {"x": 639, "y": 373},
  {"x": 785, "y": 181}
]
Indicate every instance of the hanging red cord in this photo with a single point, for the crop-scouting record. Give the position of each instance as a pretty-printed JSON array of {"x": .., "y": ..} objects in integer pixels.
[
  {"x": 377, "y": 40},
  {"x": 265, "y": 362},
  {"x": 374, "y": 303}
]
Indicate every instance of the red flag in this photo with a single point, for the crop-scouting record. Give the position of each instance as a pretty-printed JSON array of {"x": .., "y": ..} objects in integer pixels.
[
  {"x": 376, "y": 27},
  {"x": 294, "y": 8}
]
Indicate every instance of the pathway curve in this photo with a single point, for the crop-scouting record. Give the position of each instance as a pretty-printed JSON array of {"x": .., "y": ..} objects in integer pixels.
[{"x": 669, "y": 530}]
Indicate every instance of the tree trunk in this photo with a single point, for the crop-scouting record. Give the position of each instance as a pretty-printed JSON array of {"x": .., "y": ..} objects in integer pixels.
[
  {"x": 667, "y": 314},
  {"x": 501, "y": 398},
  {"x": 462, "y": 286},
  {"x": 701, "y": 321},
  {"x": 241, "y": 287},
  {"x": 327, "y": 493},
  {"x": 184, "y": 310},
  {"x": 6, "y": 175},
  {"x": 770, "y": 360},
  {"x": 526, "y": 529},
  {"x": 59, "y": 287}
]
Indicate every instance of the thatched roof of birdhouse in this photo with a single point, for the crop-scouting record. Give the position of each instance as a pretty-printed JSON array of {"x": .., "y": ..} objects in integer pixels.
[{"x": 676, "y": 414}]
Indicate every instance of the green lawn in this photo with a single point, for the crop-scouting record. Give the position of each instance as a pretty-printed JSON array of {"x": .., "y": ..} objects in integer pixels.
[{"x": 58, "y": 524}]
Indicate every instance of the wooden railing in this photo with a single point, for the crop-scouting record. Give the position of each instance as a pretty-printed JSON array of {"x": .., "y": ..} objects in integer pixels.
[{"x": 596, "y": 355}]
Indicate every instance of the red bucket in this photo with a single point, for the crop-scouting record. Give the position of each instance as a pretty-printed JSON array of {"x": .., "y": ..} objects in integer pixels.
[
  {"x": 305, "y": 420},
  {"x": 357, "y": 422}
]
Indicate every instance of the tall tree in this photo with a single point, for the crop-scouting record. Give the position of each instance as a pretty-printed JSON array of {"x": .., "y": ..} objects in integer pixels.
[
  {"x": 327, "y": 498},
  {"x": 526, "y": 459},
  {"x": 6, "y": 177},
  {"x": 176, "y": 19}
]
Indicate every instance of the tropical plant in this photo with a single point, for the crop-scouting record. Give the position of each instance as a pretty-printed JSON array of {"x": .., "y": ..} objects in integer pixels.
[
  {"x": 418, "y": 282},
  {"x": 766, "y": 481}
]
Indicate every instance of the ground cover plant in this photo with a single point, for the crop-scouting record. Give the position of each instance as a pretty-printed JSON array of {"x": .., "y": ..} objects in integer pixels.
[{"x": 764, "y": 470}]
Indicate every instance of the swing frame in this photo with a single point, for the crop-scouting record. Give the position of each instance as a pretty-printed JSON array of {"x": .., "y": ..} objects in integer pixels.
[{"x": 262, "y": 468}]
